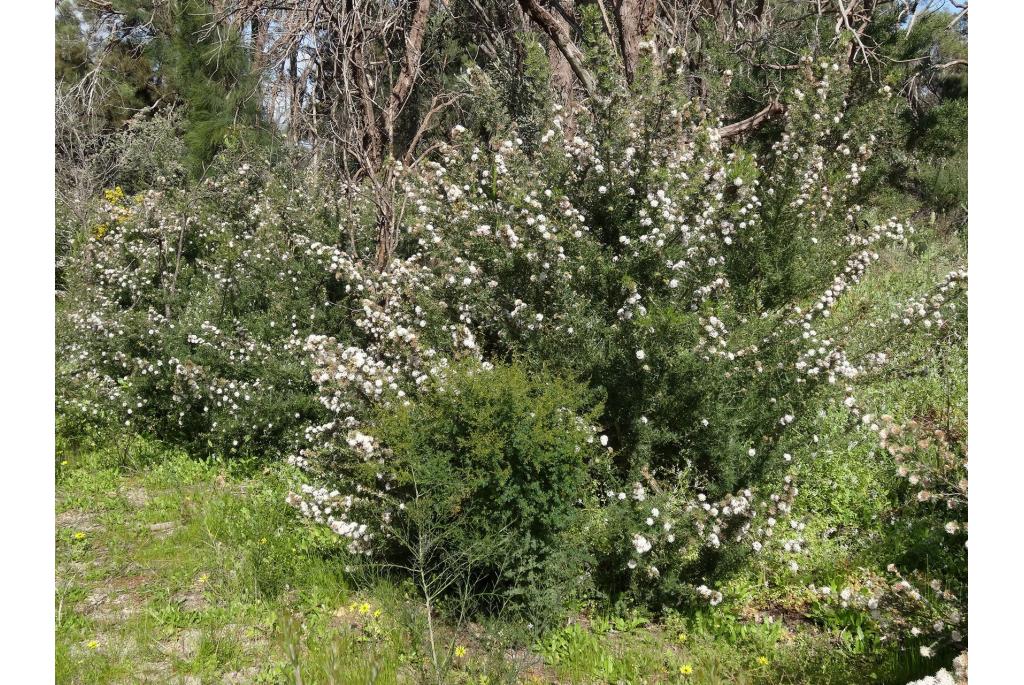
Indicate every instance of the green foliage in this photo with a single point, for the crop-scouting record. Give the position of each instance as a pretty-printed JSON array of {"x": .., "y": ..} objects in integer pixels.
[
  {"x": 235, "y": 387},
  {"x": 144, "y": 55},
  {"x": 209, "y": 74},
  {"x": 494, "y": 466},
  {"x": 122, "y": 73}
]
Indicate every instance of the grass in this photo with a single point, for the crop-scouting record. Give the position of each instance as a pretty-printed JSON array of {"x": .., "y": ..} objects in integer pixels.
[{"x": 172, "y": 570}]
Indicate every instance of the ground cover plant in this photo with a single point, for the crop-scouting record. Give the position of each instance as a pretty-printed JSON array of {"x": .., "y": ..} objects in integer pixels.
[{"x": 522, "y": 381}]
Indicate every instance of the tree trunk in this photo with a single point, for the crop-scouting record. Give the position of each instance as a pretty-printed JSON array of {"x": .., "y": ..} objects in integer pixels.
[
  {"x": 561, "y": 70},
  {"x": 387, "y": 236},
  {"x": 634, "y": 19},
  {"x": 559, "y": 34},
  {"x": 409, "y": 70}
]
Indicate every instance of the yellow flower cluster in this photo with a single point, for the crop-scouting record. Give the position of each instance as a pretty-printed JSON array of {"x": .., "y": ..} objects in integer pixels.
[
  {"x": 119, "y": 206},
  {"x": 114, "y": 196},
  {"x": 363, "y": 609}
]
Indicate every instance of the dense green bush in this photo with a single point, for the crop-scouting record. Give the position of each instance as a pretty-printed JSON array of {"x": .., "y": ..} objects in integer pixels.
[
  {"x": 495, "y": 466},
  {"x": 184, "y": 315}
]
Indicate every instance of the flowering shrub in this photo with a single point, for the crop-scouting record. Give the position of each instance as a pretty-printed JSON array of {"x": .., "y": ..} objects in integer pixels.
[
  {"x": 619, "y": 334},
  {"x": 186, "y": 316}
]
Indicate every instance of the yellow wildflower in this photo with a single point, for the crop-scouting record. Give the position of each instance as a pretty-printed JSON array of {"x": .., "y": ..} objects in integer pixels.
[
  {"x": 203, "y": 578},
  {"x": 686, "y": 669},
  {"x": 93, "y": 644},
  {"x": 79, "y": 535},
  {"x": 377, "y": 613},
  {"x": 364, "y": 608},
  {"x": 682, "y": 637},
  {"x": 762, "y": 660},
  {"x": 460, "y": 651},
  {"x": 113, "y": 196}
]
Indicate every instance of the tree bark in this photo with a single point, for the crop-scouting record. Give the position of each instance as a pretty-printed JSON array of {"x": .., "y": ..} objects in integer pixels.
[
  {"x": 409, "y": 69},
  {"x": 387, "y": 226},
  {"x": 559, "y": 34},
  {"x": 634, "y": 18},
  {"x": 561, "y": 70}
]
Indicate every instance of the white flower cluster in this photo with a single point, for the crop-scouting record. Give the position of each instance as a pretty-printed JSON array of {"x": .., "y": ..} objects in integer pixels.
[
  {"x": 944, "y": 677},
  {"x": 333, "y": 509},
  {"x": 714, "y": 597}
]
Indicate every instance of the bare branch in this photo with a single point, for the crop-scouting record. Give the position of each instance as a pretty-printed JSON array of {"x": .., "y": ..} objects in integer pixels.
[
  {"x": 752, "y": 123},
  {"x": 559, "y": 34}
]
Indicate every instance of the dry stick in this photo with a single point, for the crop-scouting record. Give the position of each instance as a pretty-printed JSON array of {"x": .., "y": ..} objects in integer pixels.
[
  {"x": 607, "y": 24},
  {"x": 773, "y": 109},
  {"x": 560, "y": 36},
  {"x": 857, "y": 33},
  {"x": 962, "y": 13},
  {"x": 437, "y": 103},
  {"x": 913, "y": 19}
]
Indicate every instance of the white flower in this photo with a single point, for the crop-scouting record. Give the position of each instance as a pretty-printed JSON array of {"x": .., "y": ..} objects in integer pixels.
[
  {"x": 641, "y": 544},
  {"x": 604, "y": 441},
  {"x": 640, "y": 354}
]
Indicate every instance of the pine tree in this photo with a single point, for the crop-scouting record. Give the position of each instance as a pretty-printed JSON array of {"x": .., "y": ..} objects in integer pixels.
[
  {"x": 208, "y": 71},
  {"x": 148, "y": 53}
]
